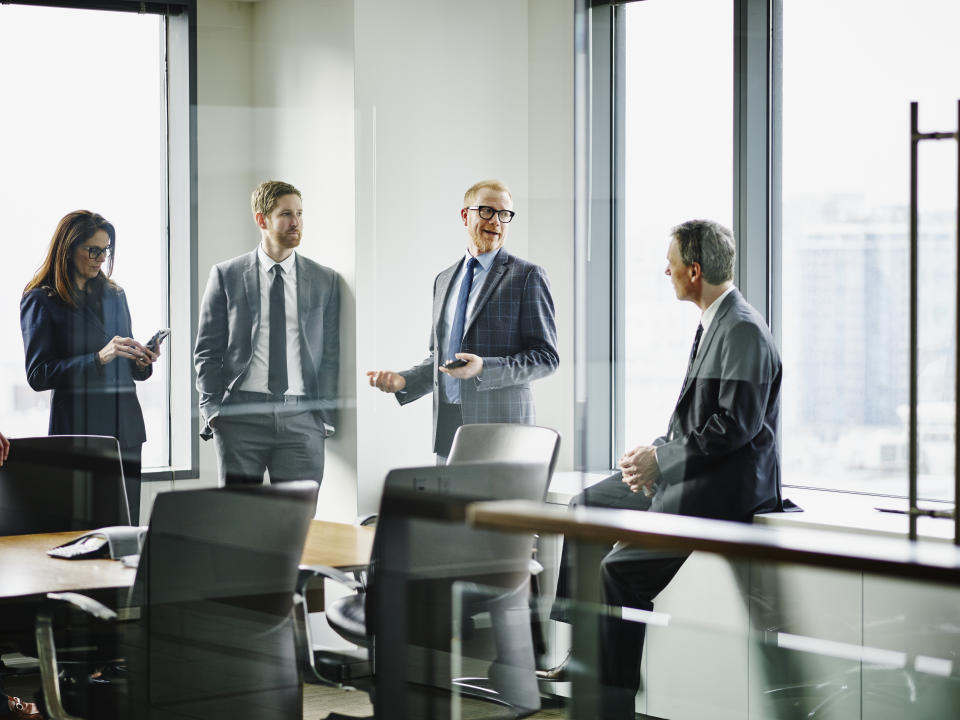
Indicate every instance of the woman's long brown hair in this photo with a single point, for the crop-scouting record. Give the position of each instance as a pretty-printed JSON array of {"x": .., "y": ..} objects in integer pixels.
[{"x": 73, "y": 230}]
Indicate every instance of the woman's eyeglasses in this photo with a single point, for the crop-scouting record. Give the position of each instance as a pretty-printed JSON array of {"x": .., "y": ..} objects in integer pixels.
[{"x": 95, "y": 253}]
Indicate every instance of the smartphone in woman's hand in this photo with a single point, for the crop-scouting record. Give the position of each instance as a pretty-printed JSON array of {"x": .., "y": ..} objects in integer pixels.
[{"x": 158, "y": 337}]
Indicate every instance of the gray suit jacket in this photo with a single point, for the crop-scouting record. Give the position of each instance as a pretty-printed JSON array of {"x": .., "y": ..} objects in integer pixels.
[
  {"x": 719, "y": 458},
  {"x": 230, "y": 323},
  {"x": 511, "y": 327}
]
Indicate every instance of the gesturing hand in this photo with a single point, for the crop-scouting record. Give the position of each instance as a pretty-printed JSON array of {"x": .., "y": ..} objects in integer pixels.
[{"x": 386, "y": 380}]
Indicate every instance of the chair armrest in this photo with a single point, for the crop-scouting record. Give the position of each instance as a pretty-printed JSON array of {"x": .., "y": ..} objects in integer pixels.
[
  {"x": 47, "y": 650},
  {"x": 83, "y": 603},
  {"x": 308, "y": 573},
  {"x": 367, "y": 520}
]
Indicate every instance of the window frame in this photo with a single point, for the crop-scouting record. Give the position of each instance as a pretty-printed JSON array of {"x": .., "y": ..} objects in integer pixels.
[
  {"x": 183, "y": 451},
  {"x": 599, "y": 238}
]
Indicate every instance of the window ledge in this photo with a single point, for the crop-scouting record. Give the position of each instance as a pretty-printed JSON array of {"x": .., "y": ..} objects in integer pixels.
[
  {"x": 857, "y": 513},
  {"x": 822, "y": 509}
]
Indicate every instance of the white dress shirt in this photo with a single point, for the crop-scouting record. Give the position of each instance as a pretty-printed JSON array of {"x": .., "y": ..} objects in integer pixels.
[
  {"x": 257, "y": 374},
  {"x": 709, "y": 314}
]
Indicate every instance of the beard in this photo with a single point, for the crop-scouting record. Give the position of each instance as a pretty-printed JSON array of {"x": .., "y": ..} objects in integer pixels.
[
  {"x": 288, "y": 240},
  {"x": 485, "y": 242}
]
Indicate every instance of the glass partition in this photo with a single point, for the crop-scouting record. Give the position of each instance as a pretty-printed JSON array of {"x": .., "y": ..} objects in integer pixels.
[{"x": 780, "y": 641}]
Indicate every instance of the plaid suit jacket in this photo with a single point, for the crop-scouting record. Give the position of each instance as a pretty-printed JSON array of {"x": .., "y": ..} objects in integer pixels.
[{"x": 512, "y": 327}]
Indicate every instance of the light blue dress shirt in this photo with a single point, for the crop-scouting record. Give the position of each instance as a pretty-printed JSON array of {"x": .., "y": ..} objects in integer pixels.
[{"x": 450, "y": 391}]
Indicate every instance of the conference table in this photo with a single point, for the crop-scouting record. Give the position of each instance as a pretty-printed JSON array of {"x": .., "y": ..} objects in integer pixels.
[{"x": 28, "y": 572}]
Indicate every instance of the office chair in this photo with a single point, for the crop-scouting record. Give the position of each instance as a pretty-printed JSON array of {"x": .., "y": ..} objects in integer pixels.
[
  {"x": 422, "y": 550},
  {"x": 512, "y": 442},
  {"x": 62, "y": 482},
  {"x": 491, "y": 442},
  {"x": 505, "y": 442},
  {"x": 211, "y": 632}
]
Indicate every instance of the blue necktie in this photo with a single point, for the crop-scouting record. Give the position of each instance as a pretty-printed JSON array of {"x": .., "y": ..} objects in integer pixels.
[{"x": 452, "y": 385}]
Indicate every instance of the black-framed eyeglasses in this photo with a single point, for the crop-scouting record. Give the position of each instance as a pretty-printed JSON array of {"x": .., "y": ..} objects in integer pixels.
[
  {"x": 95, "y": 253},
  {"x": 486, "y": 212}
]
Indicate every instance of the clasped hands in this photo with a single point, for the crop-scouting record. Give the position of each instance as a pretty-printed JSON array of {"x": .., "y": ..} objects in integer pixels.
[{"x": 640, "y": 469}]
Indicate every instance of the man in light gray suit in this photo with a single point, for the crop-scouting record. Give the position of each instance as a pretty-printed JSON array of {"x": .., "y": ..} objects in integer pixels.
[
  {"x": 492, "y": 332},
  {"x": 268, "y": 351}
]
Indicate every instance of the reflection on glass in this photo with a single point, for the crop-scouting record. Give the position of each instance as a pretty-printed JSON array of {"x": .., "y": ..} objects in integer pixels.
[
  {"x": 770, "y": 641},
  {"x": 847, "y": 87}
]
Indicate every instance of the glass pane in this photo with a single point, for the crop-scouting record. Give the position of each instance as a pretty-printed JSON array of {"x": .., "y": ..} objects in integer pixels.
[
  {"x": 770, "y": 641},
  {"x": 83, "y": 130},
  {"x": 678, "y": 140},
  {"x": 847, "y": 85}
]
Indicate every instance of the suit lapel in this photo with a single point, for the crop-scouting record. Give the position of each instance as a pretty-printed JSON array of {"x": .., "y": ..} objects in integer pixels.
[
  {"x": 92, "y": 319},
  {"x": 304, "y": 295},
  {"x": 707, "y": 340},
  {"x": 496, "y": 274},
  {"x": 440, "y": 296},
  {"x": 251, "y": 285}
]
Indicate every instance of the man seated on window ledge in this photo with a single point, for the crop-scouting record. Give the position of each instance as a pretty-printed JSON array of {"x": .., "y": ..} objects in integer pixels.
[{"x": 718, "y": 459}]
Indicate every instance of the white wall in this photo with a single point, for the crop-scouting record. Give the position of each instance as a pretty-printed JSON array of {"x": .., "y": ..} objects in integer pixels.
[
  {"x": 303, "y": 133},
  {"x": 550, "y": 199},
  {"x": 447, "y": 93},
  {"x": 275, "y": 101},
  {"x": 383, "y": 113}
]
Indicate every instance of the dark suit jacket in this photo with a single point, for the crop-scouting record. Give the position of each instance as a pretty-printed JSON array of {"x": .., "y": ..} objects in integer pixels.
[
  {"x": 60, "y": 344},
  {"x": 230, "y": 322},
  {"x": 511, "y": 327},
  {"x": 719, "y": 458}
]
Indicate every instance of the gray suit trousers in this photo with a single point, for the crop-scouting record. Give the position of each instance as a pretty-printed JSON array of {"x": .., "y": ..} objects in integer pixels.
[{"x": 285, "y": 440}]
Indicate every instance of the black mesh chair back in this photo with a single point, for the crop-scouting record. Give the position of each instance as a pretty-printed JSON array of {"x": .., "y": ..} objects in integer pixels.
[
  {"x": 60, "y": 483},
  {"x": 215, "y": 589}
]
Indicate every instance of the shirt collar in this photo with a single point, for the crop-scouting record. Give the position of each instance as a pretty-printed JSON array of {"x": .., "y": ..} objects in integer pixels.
[
  {"x": 267, "y": 262},
  {"x": 485, "y": 259},
  {"x": 711, "y": 311}
]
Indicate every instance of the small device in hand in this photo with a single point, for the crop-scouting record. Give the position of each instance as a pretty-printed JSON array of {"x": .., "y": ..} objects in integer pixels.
[
  {"x": 455, "y": 364},
  {"x": 158, "y": 337}
]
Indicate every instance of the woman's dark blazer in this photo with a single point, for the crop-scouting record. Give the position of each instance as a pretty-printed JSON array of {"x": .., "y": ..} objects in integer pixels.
[{"x": 60, "y": 344}]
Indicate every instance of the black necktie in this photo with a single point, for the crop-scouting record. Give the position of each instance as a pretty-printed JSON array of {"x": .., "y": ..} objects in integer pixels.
[
  {"x": 456, "y": 330},
  {"x": 693, "y": 356},
  {"x": 277, "y": 368}
]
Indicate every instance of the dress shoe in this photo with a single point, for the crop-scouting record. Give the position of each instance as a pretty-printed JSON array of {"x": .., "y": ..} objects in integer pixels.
[
  {"x": 23, "y": 710},
  {"x": 557, "y": 673}
]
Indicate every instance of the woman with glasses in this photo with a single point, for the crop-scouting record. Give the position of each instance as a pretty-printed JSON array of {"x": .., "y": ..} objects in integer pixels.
[{"x": 78, "y": 342}]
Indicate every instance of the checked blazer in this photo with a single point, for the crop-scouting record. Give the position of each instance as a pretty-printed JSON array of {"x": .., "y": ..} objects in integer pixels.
[{"x": 511, "y": 326}]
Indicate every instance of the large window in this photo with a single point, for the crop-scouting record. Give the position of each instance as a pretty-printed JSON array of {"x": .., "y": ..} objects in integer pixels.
[
  {"x": 678, "y": 165},
  {"x": 850, "y": 70},
  {"x": 86, "y": 126},
  {"x": 794, "y": 130}
]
